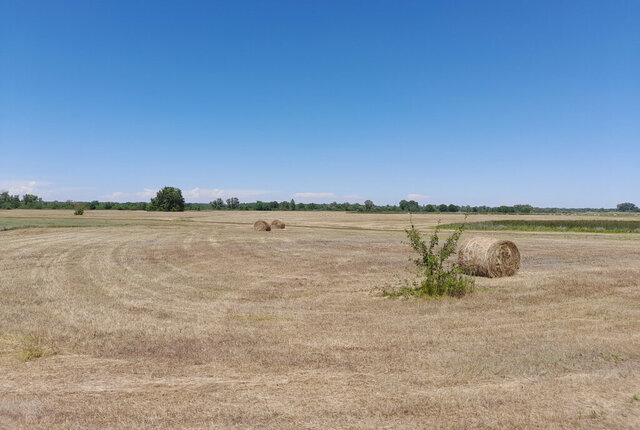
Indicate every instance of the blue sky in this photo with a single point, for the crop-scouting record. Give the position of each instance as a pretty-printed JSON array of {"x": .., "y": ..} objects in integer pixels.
[{"x": 469, "y": 102}]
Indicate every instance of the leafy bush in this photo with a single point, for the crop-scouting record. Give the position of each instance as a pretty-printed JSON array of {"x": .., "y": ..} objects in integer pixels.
[
  {"x": 79, "y": 210},
  {"x": 434, "y": 276}
]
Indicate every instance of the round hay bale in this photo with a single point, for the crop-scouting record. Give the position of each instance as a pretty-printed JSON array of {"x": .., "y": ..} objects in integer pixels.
[
  {"x": 486, "y": 256},
  {"x": 276, "y": 223},
  {"x": 261, "y": 226}
]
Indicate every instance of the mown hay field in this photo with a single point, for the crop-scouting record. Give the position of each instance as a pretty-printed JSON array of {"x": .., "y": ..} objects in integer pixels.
[{"x": 149, "y": 320}]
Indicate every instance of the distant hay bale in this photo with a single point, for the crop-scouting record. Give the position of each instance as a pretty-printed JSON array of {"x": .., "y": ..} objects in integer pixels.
[
  {"x": 276, "y": 223},
  {"x": 485, "y": 256},
  {"x": 261, "y": 226}
]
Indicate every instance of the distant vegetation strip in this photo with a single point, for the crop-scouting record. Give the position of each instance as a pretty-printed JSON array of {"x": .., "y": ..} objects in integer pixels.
[
  {"x": 170, "y": 199},
  {"x": 584, "y": 226}
]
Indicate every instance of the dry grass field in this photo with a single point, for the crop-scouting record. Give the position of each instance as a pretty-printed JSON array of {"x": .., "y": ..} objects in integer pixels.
[{"x": 194, "y": 320}]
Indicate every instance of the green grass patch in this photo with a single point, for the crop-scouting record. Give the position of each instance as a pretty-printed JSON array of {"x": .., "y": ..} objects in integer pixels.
[
  {"x": 581, "y": 226},
  {"x": 27, "y": 222},
  {"x": 26, "y": 347}
]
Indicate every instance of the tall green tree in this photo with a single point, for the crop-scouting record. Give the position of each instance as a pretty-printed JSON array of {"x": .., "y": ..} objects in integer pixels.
[
  {"x": 217, "y": 203},
  {"x": 368, "y": 204},
  {"x": 168, "y": 199},
  {"x": 233, "y": 203}
]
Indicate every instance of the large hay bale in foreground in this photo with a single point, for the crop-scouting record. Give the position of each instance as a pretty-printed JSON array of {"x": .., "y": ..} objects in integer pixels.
[
  {"x": 261, "y": 226},
  {"x": 486, "y": 256},
  {"x": 276, "y": 223}
]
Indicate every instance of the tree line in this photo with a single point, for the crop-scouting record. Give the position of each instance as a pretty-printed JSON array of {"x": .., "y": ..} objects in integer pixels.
[{"x": 171, "y": 199}]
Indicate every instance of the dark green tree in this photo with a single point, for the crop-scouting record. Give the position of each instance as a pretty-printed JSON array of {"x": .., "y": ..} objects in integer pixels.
[
  {"x": 627, "y": 207},
  {"x": 7, "y": 201},
  {"x": 409, "y": 206},
  {"x": 523, "y": 209},
  {"x": 284, "y": 206},
  {"x": 292, "y": 205},
  {"x": 368, "y": 204},
  {"x": 168, "y": 199},
  {"x": 217, "y": 204},
  {"x": 233, "y": 203}
]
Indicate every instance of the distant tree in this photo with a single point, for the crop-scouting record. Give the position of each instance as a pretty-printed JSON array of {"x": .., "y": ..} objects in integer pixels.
[
  {"x": 627, "y": 207},
  {"x": 94, "y": 204},
  {"x": 292, "y": 205},
  {"x": 368, "y": 204},
  {"x": 523, "y": 209},
  {"x": 453, "y": 208},
  {"x": 7, "y": 201},
  {"x": 409, "y": 206},
  {"x": 429, "y": 208},
  {"x": 168, "y": 199},
  {"x": 233, "y": 203},
  {"x": 29, "y": 199},
  {"x": 217, "y": 204},
  {"x": 414, "y": 206},
  {"x": 284, "y": 206},
  {"x": 442, "y": 208},
  {"x": 505, "y": 209}
]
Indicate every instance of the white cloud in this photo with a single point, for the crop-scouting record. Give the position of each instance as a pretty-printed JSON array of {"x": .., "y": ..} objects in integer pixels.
[
  {"x": 116, "y": 195},
  {"x": 417, "y": 197},
  {"x": 147, "y": 193},
  {"x": 203, "y": 195},
  {"x": 313, "y": 195},
  {"x": 46, "y": 190},
  {"x": 24, "y": 187},
  {"x": 353, "y": 197},
  {"x": 194, "y": 195}
]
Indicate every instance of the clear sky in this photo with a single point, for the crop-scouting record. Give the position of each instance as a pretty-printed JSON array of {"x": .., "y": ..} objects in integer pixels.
[{"x": 466, "y": 102}]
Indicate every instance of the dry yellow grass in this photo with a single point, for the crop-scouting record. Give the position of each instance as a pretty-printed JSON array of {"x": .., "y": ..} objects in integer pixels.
[{"x": 193, "y": 320}]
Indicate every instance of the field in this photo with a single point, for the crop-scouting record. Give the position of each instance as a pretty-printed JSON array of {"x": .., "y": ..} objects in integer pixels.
[{"x": 123, "y": 319}]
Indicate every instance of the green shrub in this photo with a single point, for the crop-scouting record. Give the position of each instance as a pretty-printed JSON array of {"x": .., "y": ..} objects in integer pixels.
[
  {"x": 435, "y": 277},
  {"x": 79, "y": 210}
]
